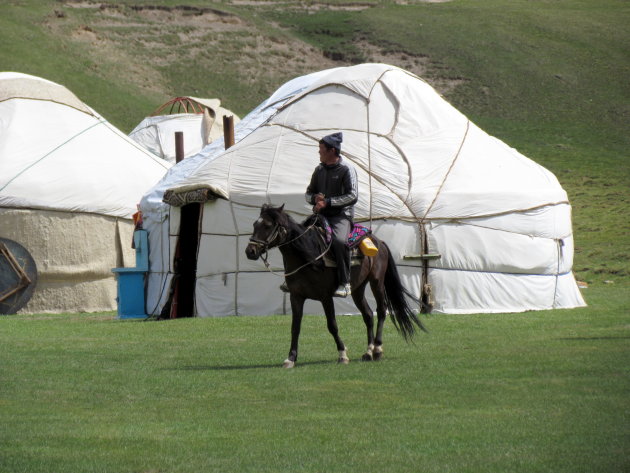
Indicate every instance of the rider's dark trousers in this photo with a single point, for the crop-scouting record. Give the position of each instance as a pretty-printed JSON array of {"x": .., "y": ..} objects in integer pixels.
[{"x": 341, "y": 226}]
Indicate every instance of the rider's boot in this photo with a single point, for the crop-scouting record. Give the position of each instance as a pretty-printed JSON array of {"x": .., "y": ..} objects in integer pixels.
[{"x": 343, "y": 290}]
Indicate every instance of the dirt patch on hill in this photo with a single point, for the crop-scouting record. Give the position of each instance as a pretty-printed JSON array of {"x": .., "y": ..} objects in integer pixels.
[{"x": 145, "y": 41}]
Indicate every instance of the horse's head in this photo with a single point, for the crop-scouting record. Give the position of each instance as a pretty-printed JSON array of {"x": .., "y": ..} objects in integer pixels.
[{"x": 270, "y": 229}]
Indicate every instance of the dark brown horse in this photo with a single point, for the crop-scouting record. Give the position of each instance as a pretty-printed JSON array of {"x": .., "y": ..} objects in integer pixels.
[{"x": 308, "y": 278}]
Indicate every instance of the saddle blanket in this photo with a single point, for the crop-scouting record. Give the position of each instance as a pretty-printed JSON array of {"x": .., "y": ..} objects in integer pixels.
[{"x": 355, "y": 236}]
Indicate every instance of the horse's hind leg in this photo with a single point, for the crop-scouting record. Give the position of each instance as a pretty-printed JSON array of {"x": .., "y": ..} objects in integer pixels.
[
  {"x": 358, "y": 295},
  {"x": 331, "y": 322},
  {"x": 378, "y": 289}
]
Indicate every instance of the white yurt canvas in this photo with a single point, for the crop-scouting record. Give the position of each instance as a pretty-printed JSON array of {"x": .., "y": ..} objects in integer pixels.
[
  {"x": 69, "y": 185},
  {"x": 201, "y": 123},
  {"x": 496, "y": 224}
]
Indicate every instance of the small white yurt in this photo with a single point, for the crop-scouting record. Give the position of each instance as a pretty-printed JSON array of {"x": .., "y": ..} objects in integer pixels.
[
  {"x": 474, "y": 225},
  {"x": 69, "y": 185},
  {"x": 200, "y": 121}
]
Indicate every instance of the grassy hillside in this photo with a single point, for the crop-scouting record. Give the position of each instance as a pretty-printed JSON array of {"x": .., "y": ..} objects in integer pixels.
[{"x": 548, "y": 77}]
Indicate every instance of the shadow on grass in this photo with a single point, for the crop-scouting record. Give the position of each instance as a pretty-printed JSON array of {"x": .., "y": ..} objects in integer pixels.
[
  {"x": 250, "y": 367},
  {"x": 611, "y": 337},
  {"x": 267, "y": 366}
]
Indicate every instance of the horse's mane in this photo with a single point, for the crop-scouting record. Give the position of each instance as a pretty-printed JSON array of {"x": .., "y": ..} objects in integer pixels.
[{"x": 305, "y": 242}]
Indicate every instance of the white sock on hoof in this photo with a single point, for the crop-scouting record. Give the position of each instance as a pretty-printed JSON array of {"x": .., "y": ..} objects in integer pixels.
[{"x": 343, "y": 356}]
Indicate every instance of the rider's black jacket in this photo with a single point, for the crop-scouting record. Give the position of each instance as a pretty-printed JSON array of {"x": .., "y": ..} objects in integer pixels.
[{"x": 338, "y": 182}]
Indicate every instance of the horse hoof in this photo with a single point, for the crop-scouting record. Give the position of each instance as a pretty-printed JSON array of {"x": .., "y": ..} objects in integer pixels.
[
  {"x": 343, "y": 357},
  {"x": 288, "y": 364},
  {"x": 367, "y": 357},
  {"x": 378, "y": 353}
]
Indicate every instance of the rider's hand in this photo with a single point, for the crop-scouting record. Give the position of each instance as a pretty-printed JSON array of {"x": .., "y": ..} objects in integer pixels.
[
  {"x": 319, "y": 198},
  {"x": 319, "y": 205}
]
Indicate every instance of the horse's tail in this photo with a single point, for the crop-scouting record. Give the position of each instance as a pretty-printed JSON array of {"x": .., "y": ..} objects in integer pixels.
[{"x": 404, "y": 318}]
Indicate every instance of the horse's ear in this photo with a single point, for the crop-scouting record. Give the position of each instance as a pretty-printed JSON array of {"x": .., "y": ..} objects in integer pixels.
[
  {"x": 281, "y": 207},
  {"x": 264, "y": 207}
]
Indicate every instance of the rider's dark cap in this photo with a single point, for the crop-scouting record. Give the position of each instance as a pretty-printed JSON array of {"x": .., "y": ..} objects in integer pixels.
[{"x": 333, "y": 140}]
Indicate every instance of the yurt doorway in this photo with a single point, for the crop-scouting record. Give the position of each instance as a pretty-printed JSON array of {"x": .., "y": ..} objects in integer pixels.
[{"x": 183, "y": 301}]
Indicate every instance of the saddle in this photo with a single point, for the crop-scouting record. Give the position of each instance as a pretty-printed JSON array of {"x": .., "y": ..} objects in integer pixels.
[{"x": 324, "y": 232}]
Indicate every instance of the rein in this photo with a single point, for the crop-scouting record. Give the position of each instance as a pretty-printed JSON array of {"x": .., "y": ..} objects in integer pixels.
[{"x": 264, "y": 245}]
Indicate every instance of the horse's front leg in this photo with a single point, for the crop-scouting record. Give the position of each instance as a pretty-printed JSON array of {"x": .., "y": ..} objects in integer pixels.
[
  {"x": 297, "y": 310},
  {"x": 331, "y": 322}
]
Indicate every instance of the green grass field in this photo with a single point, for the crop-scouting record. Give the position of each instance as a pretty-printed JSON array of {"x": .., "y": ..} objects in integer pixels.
[
  {"x": 533, "y": 392},
  {"x": 539, "y": 391}
]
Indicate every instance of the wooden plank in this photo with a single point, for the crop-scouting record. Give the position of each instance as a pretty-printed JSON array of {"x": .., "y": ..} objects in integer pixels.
[{"x": 424, "y": 257}]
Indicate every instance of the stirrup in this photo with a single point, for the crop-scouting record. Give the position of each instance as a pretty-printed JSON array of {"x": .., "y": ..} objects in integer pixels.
[
  {"x": 284, "y": 287},
  {"x": 343, "y": 291}
]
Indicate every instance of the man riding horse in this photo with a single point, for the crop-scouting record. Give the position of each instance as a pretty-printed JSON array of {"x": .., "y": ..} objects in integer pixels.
[{"x": 333, "y": 191}]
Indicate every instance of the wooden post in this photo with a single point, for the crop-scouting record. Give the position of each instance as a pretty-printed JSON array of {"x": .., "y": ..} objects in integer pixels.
[
  {"x": 179, "y": 146},
  {"x": 175, "y": 296},
  {"x": 228, "y": 131}
]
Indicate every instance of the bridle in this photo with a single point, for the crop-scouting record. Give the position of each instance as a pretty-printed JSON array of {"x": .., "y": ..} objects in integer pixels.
[
  {"x": 264, "y": 245},
  {"x": 279, "y": 231}
]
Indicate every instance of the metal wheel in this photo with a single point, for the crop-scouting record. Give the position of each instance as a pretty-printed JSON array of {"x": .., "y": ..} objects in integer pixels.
[{"x": 18, "y": 276}]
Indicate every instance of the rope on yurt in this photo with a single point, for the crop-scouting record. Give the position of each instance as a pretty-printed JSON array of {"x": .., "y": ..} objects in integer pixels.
[
  {"x": 424, "y": 239},
  {"x": 461, "y": 145},
  {"x": 559, "y": 245},
  {"x": 369, "y": 142},
  {"x": 237, "y": 268},
  {"x": 369, "y": 151}
]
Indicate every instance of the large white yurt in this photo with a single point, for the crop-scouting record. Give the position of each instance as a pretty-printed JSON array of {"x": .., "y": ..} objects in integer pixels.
[
  {"x": 474, "y": 225},
  {"x": 199, "y": 120},
  {"x": 70, "y": 183}
]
